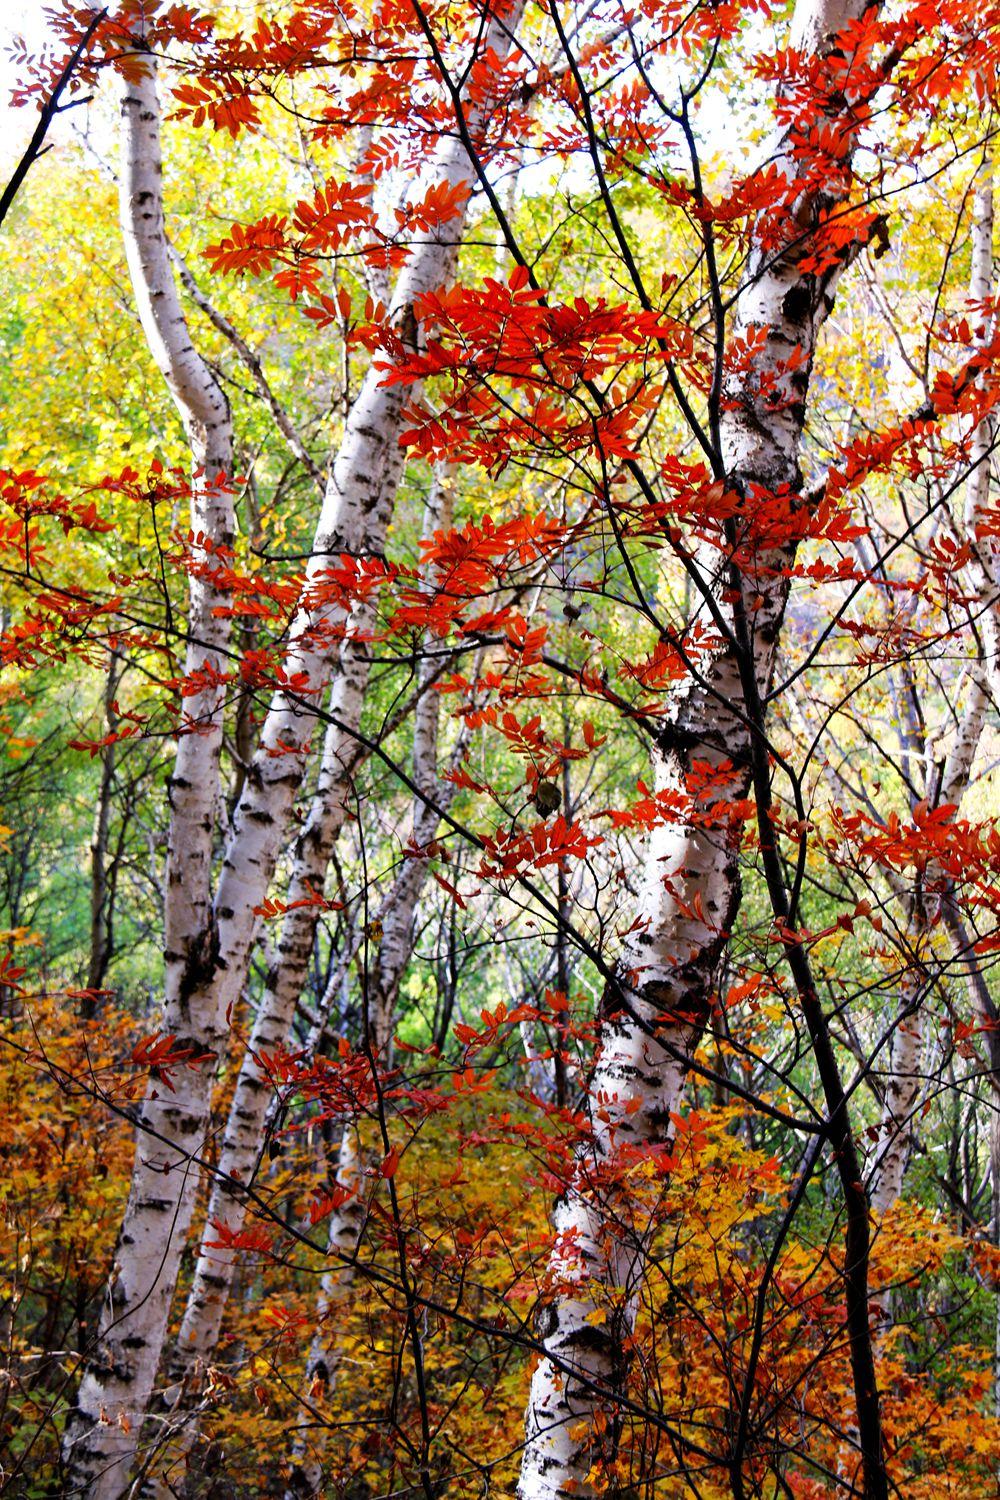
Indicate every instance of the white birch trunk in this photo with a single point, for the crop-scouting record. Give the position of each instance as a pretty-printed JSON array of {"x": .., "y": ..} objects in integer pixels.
[
  {"x": 216, "y": 1269},
  {"x": 396, "y": 943},
  {"x": 347, "y": 1222},
  {"x": 986, "y": 573},
  {"x": 597, "y": 1261},
  {"x": 902, "y": 1093},
  {"x": 397, "y": 918},
  {"x": 101, "y": 1431},
  {"x": 985, "y": 562},
  {"x": 905, "y": 1082}
]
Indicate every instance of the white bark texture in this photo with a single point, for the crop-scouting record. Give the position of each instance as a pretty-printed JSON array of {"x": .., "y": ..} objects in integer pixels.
[
  {"x": 354, "y": 517},
  {"x": 100, "y": 1432},
  {"x": 242, "y": 1140},
  {"x": 985, "y": 562},
  {"x": 688, "y": 898},
  {"x": 903, "y": 1087},
  {"x": 397, "y": 918},
  {"x": 430, "y": 798}
]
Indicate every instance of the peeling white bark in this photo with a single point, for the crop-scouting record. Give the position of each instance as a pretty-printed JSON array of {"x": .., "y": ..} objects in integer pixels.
[
  {"x": 101, "y": 1431},
  {"x": 902, "y": 1095},
  {"x": 689, "y": 896},
  {"x": 396, "y": 943},
  {"x": 985, "y": 563},
  {"x": 904, "y": 1087},
  {"x": 397, "y": 917},
  {"x": 243, "y": 1136}
]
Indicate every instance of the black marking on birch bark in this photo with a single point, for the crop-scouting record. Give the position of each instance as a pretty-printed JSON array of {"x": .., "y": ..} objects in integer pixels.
[
  {"x": 658, "y": 1118},
  {"x": 591, "y": 1339},
  {"x": 797, "y": 303},
  {"x": 200, "y": 966},
  {"x": 259, "y": 815}
]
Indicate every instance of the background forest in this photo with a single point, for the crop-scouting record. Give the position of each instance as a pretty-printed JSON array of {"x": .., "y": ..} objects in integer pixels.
[{"x": 499, "y": 754}]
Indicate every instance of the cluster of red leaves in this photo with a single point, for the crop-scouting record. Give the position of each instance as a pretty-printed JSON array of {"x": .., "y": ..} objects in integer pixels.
[
  {"x": 547, "y": 352},
  {"x": 162, "y": 1056},
  {"x": 933, "y": 837},
  {"x": 461, "y": 568},
  {"x": 517, "y": 851},
  {"x": 703, "y": 799}
]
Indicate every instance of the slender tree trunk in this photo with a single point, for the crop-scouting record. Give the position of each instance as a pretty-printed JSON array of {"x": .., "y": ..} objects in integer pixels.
[
  {"x": 381, "y": 991},
  {"x": 100, "y": 887},
  {"x": 987, "y": 1018},
  {"x": 101, "y": 1430},
  {"x": 396, "y": 943},
  {"x": 243, "y": 1136},
  {"x": 905, "y": 1083},
  {"x": 690, "y": 889},
  {"x": 985, "y": 560},
  {"x": 347, "y": 1222}
]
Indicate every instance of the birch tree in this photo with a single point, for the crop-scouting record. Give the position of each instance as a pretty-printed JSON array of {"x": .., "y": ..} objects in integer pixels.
[
  {"x": 709, "y": 648},
  {"x": 690, "y": 889},
  {"x": 138, "y": 1294},
  {"x": 380, "y": 988}
]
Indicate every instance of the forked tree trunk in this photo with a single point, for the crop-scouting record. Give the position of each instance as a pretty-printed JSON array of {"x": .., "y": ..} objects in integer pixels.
[
  {"x": 242, "y": 1140},
  {"x": 354, "y": 517},
  {"x": 117, "y": 1376},
  {"x": 690, "y": 890}
]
